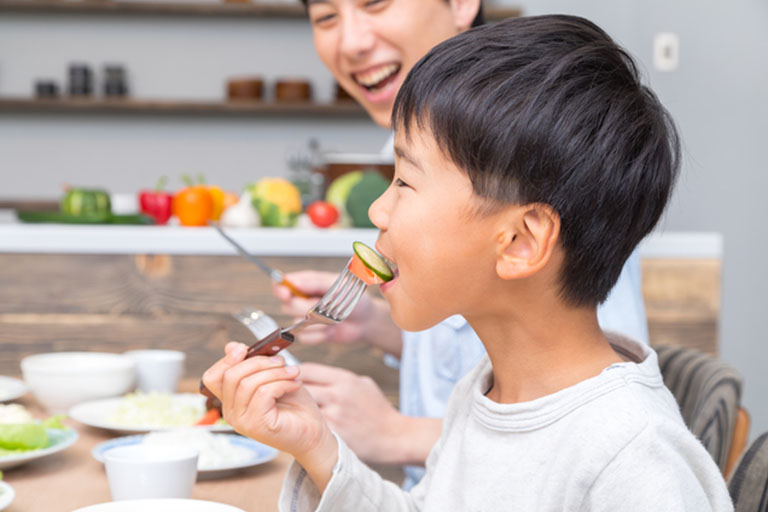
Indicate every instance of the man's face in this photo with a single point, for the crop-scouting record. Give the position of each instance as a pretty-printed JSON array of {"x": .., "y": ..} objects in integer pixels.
[
  {"x": 444, "y": 251},
  {"x": 371, "y": 45}
]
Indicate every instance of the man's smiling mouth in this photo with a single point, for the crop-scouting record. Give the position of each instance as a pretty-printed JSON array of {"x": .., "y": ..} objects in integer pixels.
[{"x": 377, "y": 78}]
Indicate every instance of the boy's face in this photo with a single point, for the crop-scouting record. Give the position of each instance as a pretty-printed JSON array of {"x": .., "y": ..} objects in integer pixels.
[
  {"x": 443, "y": 250},
  {"x": 370, "y": 45}
]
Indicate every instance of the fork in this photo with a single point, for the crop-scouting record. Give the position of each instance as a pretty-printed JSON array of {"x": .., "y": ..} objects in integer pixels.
[{"x": 333, "y": 307}]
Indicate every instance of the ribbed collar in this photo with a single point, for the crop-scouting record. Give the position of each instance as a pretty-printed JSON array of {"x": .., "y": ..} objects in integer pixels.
[{"x": 527, "y": 416}]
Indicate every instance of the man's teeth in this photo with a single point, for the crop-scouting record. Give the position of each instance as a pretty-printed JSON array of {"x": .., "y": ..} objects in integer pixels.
[{"x": 372, "y": 78}]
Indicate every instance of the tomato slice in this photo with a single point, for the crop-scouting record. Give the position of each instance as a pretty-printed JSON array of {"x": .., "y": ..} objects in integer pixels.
[{"x": 358, "y": 268}]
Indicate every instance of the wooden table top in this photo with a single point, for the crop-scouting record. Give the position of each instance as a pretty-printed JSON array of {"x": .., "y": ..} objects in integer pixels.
[{"x": 72, "y": 478}]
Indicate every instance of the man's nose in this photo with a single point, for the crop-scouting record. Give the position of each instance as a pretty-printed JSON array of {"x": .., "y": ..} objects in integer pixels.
[{"x": 357, "y": 36}]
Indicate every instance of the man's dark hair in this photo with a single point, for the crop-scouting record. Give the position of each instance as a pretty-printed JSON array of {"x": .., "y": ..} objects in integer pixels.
[
  {"x": 479, "y": 18},
  {"x": 550, "y": 110}
]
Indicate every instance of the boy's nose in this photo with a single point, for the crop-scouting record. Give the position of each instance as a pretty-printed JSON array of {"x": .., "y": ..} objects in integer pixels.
[{"x": 379, "y": 210}]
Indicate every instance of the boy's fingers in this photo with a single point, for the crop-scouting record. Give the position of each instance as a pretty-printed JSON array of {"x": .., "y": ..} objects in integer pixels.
[
  {"x": 235, "y": 352},
  {"x": 234, "y": 375},
  {"x": 250, "y": 384},
  {"x": 265, "y": 396}
]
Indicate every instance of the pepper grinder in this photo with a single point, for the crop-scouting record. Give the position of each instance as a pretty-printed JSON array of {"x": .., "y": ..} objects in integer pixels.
[
  {"x": 80, "y": 80},
  {"x": 115, "y": 83}
]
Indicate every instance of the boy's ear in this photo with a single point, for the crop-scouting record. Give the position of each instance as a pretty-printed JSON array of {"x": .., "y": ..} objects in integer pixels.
[
  {"x": 464, "y": 12},
  {"x": 526, "y": 240}
]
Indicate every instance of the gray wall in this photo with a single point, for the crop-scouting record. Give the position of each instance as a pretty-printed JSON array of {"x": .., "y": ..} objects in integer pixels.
[
  {"x": 167, "y": 58},
  {"x": 719, "y": 97}
]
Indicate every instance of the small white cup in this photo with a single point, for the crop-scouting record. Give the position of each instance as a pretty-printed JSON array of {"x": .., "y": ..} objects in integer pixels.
[
  {"x": 158, "y": 370},
  {"x": 144, "y": 471}
]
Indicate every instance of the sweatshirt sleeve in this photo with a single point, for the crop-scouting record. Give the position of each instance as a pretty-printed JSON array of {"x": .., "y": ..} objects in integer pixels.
[
  {"x": 353, "y": 487},
  {"x": 661, "y": 468}
]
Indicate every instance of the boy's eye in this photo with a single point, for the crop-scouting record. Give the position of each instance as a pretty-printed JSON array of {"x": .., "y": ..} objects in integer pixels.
[{"x": 400, "y": 183}]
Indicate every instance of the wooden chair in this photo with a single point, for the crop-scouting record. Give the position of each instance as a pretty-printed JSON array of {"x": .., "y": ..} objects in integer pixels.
[
  {"x": 748, "y": 485},
  {"x": 708, "y": 392}
]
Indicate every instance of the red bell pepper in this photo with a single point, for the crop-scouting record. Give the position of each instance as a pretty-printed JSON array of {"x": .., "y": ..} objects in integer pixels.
[{"x": 157, "y": 203}]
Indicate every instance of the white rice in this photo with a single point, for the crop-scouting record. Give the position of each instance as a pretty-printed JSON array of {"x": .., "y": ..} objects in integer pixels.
[{"x": 216, "y": 450}]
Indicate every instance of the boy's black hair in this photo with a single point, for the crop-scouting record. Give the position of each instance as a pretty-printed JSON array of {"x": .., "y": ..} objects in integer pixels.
[
  {"x": 550, "y": 110},
  {"x": 479, "y": 18}
]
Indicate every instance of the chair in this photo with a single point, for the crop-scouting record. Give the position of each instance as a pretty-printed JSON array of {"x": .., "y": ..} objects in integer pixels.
[
  {"x": 708, "y": 392},
  {"x": 748, "y": 485}
]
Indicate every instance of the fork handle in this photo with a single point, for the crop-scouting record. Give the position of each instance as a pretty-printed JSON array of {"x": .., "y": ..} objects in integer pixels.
[{"x": 270, "y": 345}]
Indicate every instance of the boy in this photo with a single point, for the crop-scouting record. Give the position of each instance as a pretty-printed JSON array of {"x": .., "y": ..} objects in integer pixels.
[
  {"x": 370, "y": 47},
  {"x": 530, "y": 162}
]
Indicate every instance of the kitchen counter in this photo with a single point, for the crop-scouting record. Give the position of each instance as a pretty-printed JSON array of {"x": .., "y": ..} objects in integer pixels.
[{"x": 16, "y": 237}]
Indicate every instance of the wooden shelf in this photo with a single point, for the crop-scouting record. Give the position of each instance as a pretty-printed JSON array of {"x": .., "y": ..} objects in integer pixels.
[
  {"x": 193, "y": 108},
  {"x": 222, "y": 9}
]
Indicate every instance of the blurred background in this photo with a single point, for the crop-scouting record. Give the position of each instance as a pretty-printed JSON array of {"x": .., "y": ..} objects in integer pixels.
[{"x": 170, "y": 68}]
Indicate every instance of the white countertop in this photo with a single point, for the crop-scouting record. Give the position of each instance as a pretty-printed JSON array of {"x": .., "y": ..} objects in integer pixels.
[{"x": 16, "y": 237}]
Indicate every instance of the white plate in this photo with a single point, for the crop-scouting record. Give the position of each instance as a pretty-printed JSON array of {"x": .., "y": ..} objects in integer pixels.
[
  {"x": 59, "y": 440},
  {"x": 96, "y": 413},
  {"x": 165, "y": 505},
  {"x": 11, "y": 389},
  {"x": 6, "y": 495},
  {"x": 257, "y": 453}
]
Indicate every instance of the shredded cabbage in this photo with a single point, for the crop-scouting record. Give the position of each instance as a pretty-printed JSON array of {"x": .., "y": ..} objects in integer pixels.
[{"x": 156, "y": 410}]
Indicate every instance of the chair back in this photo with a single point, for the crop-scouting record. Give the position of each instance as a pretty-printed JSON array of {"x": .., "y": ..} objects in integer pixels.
[
  {"x": 708, "y": 392},
  {"x": 749, "y": 483}
]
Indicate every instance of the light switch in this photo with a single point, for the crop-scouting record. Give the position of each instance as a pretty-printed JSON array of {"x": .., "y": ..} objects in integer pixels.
[{"x": 666, "y": 51}]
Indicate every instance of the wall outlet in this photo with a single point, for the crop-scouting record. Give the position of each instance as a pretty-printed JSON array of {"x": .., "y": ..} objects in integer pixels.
[{"x": 666, "y": 51}]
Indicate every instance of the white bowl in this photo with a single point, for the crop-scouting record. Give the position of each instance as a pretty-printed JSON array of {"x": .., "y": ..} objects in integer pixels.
[
  {"x": 161, "y": 505},
  {"x": 60, "y": 380}
]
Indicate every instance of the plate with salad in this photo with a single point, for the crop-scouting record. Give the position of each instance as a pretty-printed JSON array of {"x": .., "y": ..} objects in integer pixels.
[
  {"x": 23, "y": 439},
  {"x": 146, "y": 412}
]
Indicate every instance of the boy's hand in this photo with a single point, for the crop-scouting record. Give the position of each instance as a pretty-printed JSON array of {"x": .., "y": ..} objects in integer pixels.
[{"x": 264, "y": 400}]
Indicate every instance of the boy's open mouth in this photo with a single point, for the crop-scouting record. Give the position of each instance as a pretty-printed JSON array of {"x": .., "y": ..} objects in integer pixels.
[{"x": 376, "y": 79}]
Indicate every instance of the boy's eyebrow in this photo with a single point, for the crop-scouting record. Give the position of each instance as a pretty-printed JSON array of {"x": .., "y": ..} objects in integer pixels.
[
  {"x": 402, "y": 153},
  {"x": 310, "y": 2}
]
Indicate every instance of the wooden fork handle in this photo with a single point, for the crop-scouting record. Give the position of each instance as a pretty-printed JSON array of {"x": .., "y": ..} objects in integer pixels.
[{"x": 270, "y": 345}]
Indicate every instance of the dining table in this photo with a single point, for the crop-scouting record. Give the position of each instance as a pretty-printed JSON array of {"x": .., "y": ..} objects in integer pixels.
[{"x": 72, "y": 479}]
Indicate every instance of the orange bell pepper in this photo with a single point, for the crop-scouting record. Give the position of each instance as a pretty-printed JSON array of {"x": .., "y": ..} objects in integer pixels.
[{"x": 193, "y": 205}]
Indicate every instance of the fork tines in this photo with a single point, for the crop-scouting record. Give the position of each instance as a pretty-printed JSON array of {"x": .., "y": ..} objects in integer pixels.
[{"x": 342, "y": 297}]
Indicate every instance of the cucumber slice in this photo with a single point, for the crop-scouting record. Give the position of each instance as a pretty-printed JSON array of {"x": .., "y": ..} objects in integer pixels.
[{"x": 373, "y": 261}]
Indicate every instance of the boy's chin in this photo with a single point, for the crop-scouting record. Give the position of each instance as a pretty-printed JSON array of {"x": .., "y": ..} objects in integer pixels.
[{"x": 412, "y": 321}]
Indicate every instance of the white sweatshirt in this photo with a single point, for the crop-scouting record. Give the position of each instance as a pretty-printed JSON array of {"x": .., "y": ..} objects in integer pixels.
[{"x": 614, "y": 442}]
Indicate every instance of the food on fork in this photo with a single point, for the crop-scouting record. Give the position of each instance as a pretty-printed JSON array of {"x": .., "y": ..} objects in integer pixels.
[{"x": 369, "y": 266}]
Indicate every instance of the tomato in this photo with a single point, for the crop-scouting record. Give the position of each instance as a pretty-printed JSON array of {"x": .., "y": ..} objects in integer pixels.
[
  {"x": 322, "y": 214},
  {"x": 361, "y": 270}
]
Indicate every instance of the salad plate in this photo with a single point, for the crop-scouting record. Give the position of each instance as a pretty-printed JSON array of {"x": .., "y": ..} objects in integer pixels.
[
  {"x": 160, "y": 505},
  {"x": 220, "y": 454},
  {"x": 59, "y": 439},
  {"x": 136, "y": 414},
  {"x": 11, "y": 389},
  {"x": 6, "y": 495}
]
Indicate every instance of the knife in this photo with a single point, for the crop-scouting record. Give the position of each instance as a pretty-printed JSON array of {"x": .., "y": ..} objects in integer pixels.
[{"x": 273, "y": 273}]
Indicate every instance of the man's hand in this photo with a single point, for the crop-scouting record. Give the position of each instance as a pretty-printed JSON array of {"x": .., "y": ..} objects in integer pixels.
[
  {"x": 264, "y": 399},
  {"x": 356, "y": 409},
  {"x": 370, "y": 320}
]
